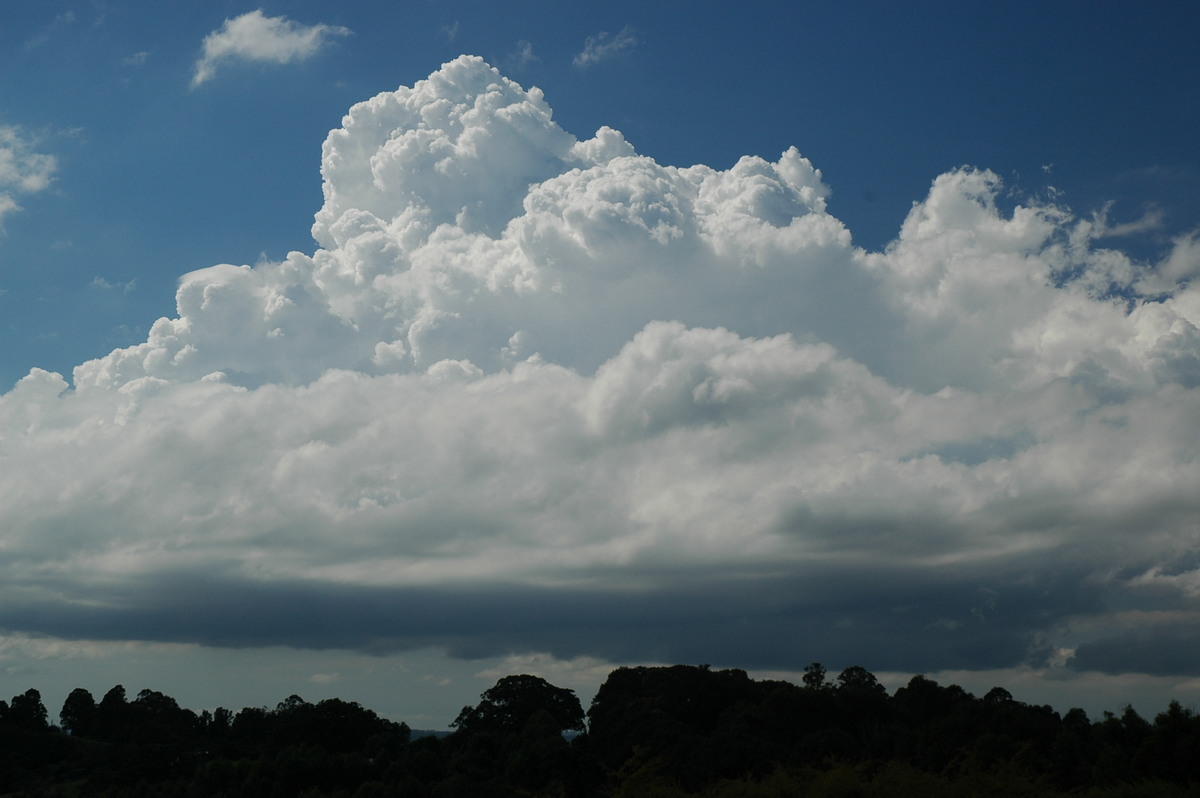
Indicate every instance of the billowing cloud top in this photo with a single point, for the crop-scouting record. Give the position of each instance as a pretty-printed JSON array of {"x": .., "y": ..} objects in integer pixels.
[
  {"x": 535, "y": 393},
  {"x": 256, "y": 37}
]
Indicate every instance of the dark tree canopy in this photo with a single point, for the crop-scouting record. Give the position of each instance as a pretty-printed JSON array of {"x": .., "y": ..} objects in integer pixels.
[
  {"x": 114, "y": 697},
  {"x": 652, "y": 731},
  {"x": 814, "y": 676},
  {"x": 514, "y": 701},
  {"x": 78, "y": 712},
  {"x": 27, "y": 711},
  {"x": 860, "y": 680}
]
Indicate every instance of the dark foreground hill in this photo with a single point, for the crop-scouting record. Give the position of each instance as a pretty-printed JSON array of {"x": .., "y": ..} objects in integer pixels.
[{"x": 662, "y": 731}]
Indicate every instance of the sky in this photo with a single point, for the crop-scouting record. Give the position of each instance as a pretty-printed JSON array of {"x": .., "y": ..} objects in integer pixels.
[{"x": 381, "y": 349}]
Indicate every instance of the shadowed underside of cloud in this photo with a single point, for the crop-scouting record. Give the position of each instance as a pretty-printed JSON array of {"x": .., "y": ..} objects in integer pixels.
[
  {"x": 1172, "y": 649},
  {"x": 902, "y": 620},
  {"x": 536, "y": 393}
]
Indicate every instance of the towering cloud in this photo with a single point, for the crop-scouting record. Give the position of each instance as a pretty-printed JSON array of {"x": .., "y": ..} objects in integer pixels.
[{"x": 536, "y": 393}]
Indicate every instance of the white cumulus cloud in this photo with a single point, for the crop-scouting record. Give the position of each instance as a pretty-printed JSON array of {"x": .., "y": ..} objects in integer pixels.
[
  {"x": 253, "y": 36},
  {"x": 674, "y": 414}
]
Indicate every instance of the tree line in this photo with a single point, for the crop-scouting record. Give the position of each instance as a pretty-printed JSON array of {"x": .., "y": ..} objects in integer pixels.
[{"x": 650, "y": 731}]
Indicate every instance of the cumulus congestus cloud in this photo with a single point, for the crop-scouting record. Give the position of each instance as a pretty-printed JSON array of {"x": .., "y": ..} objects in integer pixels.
[{"x": 537, "y": 393}]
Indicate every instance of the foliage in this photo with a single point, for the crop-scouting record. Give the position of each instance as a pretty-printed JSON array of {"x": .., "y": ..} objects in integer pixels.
[
  {"x": 663, "y": 731},
  {"x": 515, "y": 700}
]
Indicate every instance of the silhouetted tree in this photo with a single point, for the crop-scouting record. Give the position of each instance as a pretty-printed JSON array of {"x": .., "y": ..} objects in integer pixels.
[
  {"x": 1122, "y": 740},
  {"x": 515, "y": 700},
  {"x": 514, "y": 736},
  {"x": 339, "y": 725},
  {"x": 158, "y": 718},
  {"x": 111, "y": 720},
  {"x": 998, "y": 695},
  {"x": 27, "y": 712},
  {"x": 78, "y": 712},
  {"x": 690, "y": 726},
  {"x": 222, "y": 721},
  {"x": 814, "y": 676},
  {"x": 250, "y": 725},
  {"x": 666, "y": 731},
  {"x": 113, "y": 698},
  {"x": 857, "y": 679},
  {"x": 1172, "y": 746}
]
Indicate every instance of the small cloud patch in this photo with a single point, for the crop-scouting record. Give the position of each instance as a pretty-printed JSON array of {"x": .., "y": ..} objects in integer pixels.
[
  {"x": 256, "y": 37},
  {"x": 605, "y": 46}
]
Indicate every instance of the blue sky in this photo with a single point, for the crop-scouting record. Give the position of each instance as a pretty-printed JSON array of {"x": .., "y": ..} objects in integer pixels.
[{"x": 982, "y": 249}]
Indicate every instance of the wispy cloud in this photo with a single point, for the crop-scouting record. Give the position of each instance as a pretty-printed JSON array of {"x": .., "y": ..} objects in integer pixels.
[
  {"x": 522, "y": 56},
  {"x": 1152, "y": 219},
  {"x": 60, "y": 21},
  {"x": 114, "y": 285},
  {"x": 256, "y": 37},
  {"x": 604, "y": 46},
  {"x": 136, "y": 60},
  {"x": 22, "y": 170}
]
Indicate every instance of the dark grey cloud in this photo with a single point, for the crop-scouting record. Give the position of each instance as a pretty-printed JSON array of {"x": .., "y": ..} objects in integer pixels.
[
  {"x": 1163, "y": 649},
  {"x": 895, "y": 619}
]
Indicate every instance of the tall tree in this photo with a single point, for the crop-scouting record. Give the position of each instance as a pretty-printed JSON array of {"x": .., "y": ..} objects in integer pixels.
[
  {"x": 814, "y": 676},
  {"x": 27, "y": 711},
  {"x": 78, "y": 712}
]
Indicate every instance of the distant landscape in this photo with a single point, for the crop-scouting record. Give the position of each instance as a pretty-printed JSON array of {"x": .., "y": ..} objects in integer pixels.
[{"x": 649, "y": 731}]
